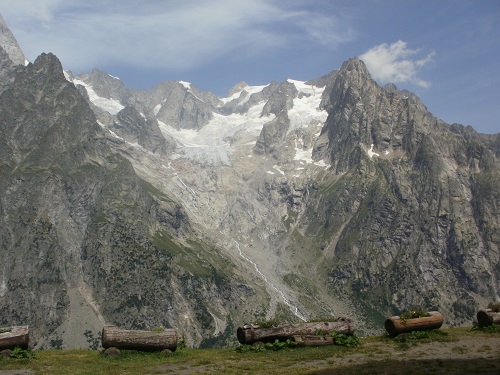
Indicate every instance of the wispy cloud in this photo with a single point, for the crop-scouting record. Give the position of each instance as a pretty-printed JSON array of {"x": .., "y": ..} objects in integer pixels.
[
  {"x": 168, "y": 34},
  {"x": 394, "y": 63}
]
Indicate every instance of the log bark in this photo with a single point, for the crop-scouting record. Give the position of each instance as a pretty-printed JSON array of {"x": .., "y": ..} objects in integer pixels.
[
  {"x": 394, "y": 325},
  {"x": 17, "y": 336},
  {"x": 248, "y": 334},
  {"x": 139, "y": 340},
  {"x": 309, "y": 340},
  {"x": 487, "y": 317}
]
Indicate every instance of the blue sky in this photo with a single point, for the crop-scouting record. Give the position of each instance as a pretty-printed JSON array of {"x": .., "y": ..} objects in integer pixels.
[{"x": 446, "y": 51}]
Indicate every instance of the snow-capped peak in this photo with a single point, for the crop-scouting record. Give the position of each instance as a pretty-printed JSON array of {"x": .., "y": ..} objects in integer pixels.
[
  {"x": 187, "y": 85},
  {"x": 249, "y": 90}
]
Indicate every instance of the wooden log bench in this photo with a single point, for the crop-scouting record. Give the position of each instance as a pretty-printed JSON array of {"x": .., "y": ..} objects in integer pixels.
[
  {"x": 139, "y": 340},
  {"x": 487, "y": 317},
  {"x": 310, "y": 340},
  {"x": 14, "y": 336},
  {"x": 248, "y": 334},
  {"x": 395, "y": 325}
]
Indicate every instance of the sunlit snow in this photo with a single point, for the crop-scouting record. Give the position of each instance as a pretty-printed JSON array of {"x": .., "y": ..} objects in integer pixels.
[
  {"x": 248, "y": 89},
  {"x": 211, "y": 143},
  {"x": 371, "y": 153},
  {"x": 278, "y": 169},
  {"x": 306, "y": 109},
  {"x": 115, "y": 135},
  {"x": 157, "y": 108},
  {"x": 111, "y": 106}
]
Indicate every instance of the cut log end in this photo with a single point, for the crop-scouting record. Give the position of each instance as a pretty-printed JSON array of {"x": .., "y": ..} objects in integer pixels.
[{"x": 487, "y": 317}]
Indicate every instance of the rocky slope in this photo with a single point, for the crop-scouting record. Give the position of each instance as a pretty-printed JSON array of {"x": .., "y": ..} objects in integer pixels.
[
  {"x": 84, "y": 241},
  {"x": 289, "y": 201}
]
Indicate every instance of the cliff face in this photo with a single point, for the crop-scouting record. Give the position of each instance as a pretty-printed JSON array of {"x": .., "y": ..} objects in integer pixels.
[{"x": 409, "y": 213}]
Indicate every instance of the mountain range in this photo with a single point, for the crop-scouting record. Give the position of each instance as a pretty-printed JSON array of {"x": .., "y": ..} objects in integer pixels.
[{"x": 173, "y": 207}]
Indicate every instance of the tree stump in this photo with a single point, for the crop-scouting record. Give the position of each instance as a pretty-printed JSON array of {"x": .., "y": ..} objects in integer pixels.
[
  {"x": 487, "y": 317},
  {"x": 248, "y": 334},
  {"x": 139, "y": 340},
  {"x": 15, "y": 336},
  {"x": 395, "y": 325}
]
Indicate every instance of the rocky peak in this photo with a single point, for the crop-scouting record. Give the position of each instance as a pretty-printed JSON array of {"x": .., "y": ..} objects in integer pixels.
[
  {"x": 49, "y": 66},
  {"x": 9, "y": 43},
  {"x": 105, "y": 85},
  {"x": 355, "y": 66},
  {"x": 362, "y": 114},
  {"x": 237, "y": 88},
  {"x": 281, "y": 100},
  {"x": 135, "y": 127}
]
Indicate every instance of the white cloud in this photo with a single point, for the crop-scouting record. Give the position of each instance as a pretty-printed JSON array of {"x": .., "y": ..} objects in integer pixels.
[
  {"x": 393, "y": 63},
  {"x": 172, "y": 34}
]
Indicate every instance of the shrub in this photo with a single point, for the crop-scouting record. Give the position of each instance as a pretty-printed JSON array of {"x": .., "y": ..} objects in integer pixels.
[
  {"x": 412, "y": 315},
  {"x": 18, "y": 352},
  {"x": 276, "y": 345},
  {"x": 350, "y": 341}
]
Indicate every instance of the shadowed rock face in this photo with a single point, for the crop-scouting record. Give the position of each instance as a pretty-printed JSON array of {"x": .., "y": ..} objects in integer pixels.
[
  {"x": 135, "y": 127},
  {"x": 338, "y": 197},
  {"x": 79, "y": 228},
  {"x": 407, "y": 223}
]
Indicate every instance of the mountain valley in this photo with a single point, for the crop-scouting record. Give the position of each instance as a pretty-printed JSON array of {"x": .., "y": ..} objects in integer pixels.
[{"x": 172, "y": 207}]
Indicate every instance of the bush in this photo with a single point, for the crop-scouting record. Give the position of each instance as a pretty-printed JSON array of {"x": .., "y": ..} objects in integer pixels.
[
  {"x": 22, "y": 353},
  {"x": 342, "y": 339},
  {"x": 276, "y": 345}
]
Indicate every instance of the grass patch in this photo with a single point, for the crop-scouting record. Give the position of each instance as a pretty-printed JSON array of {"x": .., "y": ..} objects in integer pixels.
[
  {"x": 156, "y": 192},
  {"x": 375, "y": 355}
]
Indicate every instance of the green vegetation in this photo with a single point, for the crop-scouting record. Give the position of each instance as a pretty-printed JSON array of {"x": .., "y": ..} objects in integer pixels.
[
  {"x": 409, "y": 354},
  {"x": 19, "y": 353},
  {"x": 155, "y": 192},
  {"x": 290, "y": 218},
  {"x": 407, "y": 340},
  {"x": 417, "y": 313},
  {"x": 275, "y": 346},
  {"x": 350, "y": 341},
  {"x": 198, "y": 259},
  {"x": 495, "y": 328}
]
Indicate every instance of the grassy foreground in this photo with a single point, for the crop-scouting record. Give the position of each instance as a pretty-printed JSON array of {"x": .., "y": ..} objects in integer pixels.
[{"x": 446, "y": 351}]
